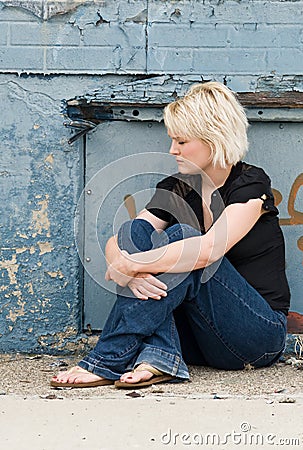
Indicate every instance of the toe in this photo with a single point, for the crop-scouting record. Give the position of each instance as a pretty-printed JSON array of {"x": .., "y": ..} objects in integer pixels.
[{"x": 136, "y": 377}]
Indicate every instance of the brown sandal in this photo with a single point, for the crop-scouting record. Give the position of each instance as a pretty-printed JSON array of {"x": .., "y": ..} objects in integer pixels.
[
  {"x": 81, "y": 385},
  {"x": 158, "y": 377}
]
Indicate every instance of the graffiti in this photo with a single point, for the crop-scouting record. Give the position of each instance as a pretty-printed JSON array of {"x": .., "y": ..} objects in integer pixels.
[
  {"x": 130, "y": 205},
  {"x": 295, "y": 216}
]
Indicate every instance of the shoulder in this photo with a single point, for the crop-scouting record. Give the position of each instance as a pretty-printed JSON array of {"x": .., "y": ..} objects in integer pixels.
[
  {"x": 179, "y": 183},
  {"x": 250, "y": 182},
  {"x": 249, "y": 174}
]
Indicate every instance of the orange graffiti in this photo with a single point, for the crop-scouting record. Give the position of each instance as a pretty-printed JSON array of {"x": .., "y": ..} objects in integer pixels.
[
  {"x": 130, "y": 205},
  {"x": 296, "y": 217}
]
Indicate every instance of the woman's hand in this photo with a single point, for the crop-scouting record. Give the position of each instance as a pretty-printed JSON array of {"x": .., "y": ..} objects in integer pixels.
[
  {"x": 145, "y": 285},
  {"x": 121, "y": 271}
]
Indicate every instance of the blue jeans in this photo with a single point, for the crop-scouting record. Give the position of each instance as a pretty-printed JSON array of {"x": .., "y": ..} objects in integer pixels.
[{"x": 223, "y": 322}]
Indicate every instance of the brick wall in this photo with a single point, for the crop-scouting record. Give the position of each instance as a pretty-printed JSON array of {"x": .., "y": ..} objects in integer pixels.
[{"x": 241, "y": 40}]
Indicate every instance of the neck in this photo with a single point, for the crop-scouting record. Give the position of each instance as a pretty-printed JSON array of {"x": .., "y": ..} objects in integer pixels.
[{"x": 218, "y": 175}]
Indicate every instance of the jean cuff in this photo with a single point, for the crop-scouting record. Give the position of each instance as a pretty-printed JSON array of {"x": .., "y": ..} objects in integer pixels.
[
  {"x": 93, "y": 365},
  {"x": 163, "y": 361}
]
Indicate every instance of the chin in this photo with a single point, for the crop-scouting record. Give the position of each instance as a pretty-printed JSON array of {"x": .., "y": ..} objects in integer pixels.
[{"x": 188, "y": 170}]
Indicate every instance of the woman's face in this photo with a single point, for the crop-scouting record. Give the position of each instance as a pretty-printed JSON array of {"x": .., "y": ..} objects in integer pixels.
[{"x": 192, "y": 155}]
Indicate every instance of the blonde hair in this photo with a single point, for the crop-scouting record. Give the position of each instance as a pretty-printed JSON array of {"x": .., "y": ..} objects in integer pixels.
[{"x": 210, "y": 112}]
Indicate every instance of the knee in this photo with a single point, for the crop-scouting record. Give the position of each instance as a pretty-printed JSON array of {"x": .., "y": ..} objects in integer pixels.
[
  {"x": 181, "y": 231},
  {"x": 135, "y": 236}
]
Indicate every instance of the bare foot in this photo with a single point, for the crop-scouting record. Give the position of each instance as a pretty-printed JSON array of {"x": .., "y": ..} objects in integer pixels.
[
  {"x": 76, "y": 375},
  {"x": 136, "y": 377}
]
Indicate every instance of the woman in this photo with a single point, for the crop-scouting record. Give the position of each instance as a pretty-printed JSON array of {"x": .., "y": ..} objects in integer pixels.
[{"x": 211, "y": 232}]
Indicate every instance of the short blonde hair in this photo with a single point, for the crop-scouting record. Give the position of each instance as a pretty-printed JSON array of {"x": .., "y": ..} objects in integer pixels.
[{"x": 210, "y": 112}]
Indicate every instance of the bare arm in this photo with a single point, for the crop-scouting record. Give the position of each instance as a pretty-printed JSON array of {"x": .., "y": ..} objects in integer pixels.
[
  {"x": 143, "y": 285},
  {"x": 196, "y": 252}
]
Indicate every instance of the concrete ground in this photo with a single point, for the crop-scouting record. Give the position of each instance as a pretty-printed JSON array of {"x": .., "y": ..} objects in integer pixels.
[{"x": 216, "y": 410}]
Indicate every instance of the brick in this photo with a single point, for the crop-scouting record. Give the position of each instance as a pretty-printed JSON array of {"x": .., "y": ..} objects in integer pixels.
[
  {"x": 3, "y": 33},
  {"x": 229, "y": 11},
  {"x": 126, "y": 35},
  {"x": 230, "y": 61},
  {"x": 92, "y": 60},
  {"x": 21, "y": 58},
  {"x": 44, "y": 33},
  {"x": 169, "y": 12},
  {"x": 184, "y": 35},
  {"x": 201, "y": 61},
  {"x": 170, "y": 60},
  {"x": 270, "y": 12},
  {"x": 285, "y": 61},
  {"x": 266, "y": 36}
]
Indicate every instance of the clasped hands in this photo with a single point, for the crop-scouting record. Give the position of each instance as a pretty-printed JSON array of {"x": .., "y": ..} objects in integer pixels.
[{"x": 123, "y": 271}]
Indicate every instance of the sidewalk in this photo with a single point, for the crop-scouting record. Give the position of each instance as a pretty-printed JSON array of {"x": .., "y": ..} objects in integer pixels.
[{"x": 216, "y": 410}]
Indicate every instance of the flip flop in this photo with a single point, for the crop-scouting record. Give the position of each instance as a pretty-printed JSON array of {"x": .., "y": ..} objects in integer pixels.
[
  {"x": 158, "y": 377},
  {"x": 81, "y": 385}
]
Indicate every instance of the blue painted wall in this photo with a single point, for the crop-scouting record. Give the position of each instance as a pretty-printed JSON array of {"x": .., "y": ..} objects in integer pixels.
[{"x": 51, "y": 51}]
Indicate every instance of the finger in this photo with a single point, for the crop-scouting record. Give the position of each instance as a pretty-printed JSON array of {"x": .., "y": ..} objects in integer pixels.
[
  {"x": 149, "y": 293},
  {"x": 139, "y": 294},
  {"x": 107, "y": 276},
  {"x": 156, "y": 282},
  {"x": 152, "y": 290}
]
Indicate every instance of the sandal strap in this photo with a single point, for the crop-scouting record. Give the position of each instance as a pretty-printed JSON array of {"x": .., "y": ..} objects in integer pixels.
[{"x": 149, "y": 368}]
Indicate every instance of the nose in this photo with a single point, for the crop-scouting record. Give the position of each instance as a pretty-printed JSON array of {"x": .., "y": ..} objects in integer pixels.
[{"x": 174, "y": 148}]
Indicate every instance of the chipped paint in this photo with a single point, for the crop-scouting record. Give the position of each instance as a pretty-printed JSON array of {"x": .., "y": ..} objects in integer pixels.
[
  {"x": 29, "y": 286},
  {"x": 11, "y": 266},
  {"x": 45, "y": 247},
  {"x": 14, "y": 314},
  {"x": 25, "y": 249},
  {"x": 55, "y": 274},
  {"x": 22, "y": 235},
  {"x": 40, "y": 219},
  {"x": 50, "y": 159},
  {"x": 46, "y": 9}
]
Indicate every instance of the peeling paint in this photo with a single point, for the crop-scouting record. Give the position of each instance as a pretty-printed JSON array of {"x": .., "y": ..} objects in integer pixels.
[
  {"x": 40, "y": 218},
  {"x": 29, "y": 286},
  {"x": 46, "y": 9},
  {"x": 25, "y": 249},
  {"x": 50, "y": 159},
  {"x": 55, "y": 274},
  {"x": 141, "y": 17},
  {"x": 12, "y": 268},
  {"x": 17, "y": 312},
  {"x": 22, "y": 235},
  {"x": 45, "y": 247},
  {"x": 58, "y": 339}
]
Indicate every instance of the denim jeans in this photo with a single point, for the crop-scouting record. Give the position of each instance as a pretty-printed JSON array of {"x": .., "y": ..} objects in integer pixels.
[{"x": 222, "y": 322}]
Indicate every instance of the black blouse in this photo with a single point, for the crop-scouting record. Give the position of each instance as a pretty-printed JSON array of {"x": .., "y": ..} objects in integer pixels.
[{"x": 260, "y": 256}]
